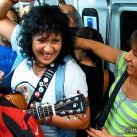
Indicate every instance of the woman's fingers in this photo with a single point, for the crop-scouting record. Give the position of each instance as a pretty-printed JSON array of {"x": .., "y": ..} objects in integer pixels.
[{"x": 91, "y": 132}]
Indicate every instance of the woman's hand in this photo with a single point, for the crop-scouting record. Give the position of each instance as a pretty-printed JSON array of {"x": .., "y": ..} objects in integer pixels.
[
  {"x": 98, "y": 133},
  {"x": 1, "y": 74}
]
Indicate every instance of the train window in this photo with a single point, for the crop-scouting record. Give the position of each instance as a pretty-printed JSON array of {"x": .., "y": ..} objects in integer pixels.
[
  {"x": 90, "y": 18},
  {"x": 128, "y": 20}
]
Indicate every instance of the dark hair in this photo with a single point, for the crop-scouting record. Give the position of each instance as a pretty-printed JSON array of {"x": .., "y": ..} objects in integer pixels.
[
  {"x": 90, "y": 33},
  {"x": 133, "y": 38},
  {"x": 74, "y": 14},
  {"x": 49, "y": 19}
]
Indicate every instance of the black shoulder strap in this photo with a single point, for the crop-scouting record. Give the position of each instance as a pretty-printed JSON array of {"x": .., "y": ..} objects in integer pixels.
[
  {"x": 43, "y": 84},
  {"x": 102, "y": 118}
]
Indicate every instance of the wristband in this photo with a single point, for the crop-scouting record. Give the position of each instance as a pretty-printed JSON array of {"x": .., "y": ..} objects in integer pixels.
[{"x": 48, "y": 120}]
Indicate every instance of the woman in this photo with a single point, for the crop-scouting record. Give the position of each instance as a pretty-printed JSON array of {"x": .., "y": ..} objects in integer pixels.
[
  {"x": 92, "y": 66},
  {"x": 122, "y": 118},
  {"x": 44, "y": 40}
]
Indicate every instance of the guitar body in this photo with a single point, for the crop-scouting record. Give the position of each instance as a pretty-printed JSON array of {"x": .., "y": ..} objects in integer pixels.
[{"x": 17, "y": 99}]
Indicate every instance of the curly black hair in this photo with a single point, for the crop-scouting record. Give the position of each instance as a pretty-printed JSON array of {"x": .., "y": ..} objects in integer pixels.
[{"x": 49, "y": 19}]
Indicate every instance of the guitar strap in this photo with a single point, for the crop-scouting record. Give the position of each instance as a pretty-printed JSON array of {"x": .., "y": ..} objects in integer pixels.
[
  {"x": 43, "y": 84},
  {"x": 104, "y": 114}
]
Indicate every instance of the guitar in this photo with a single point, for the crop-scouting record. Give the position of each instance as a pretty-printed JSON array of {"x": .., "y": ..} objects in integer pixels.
[{"x": 74, "y": 105}]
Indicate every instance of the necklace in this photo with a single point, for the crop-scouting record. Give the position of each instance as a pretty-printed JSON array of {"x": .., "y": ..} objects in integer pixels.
[{"x": 38, "y": 69}]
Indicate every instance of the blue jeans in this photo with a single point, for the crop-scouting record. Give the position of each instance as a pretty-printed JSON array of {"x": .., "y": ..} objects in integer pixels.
[{"x": 50, "y": 131}]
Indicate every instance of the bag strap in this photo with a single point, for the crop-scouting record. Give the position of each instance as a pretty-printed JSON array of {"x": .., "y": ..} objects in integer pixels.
[
  {"x": 43, "y": 84},
  {"x": 60, "y": 79},
  {"x": 105, "y": 112},
  {"x": 106, "y": 81}
]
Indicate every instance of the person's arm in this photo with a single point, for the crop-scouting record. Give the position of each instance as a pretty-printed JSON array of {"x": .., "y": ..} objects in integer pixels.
[
  {"x": 6, "y": 25},
  {"x": 106, "y": 52},
  {"x": 80, "y": 123},
  {"x": 74, "y": 83}
]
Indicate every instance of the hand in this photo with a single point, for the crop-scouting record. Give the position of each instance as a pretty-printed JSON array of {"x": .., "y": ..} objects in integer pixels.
[
  {"x": 1, "y": 74},
  {"x": 98, "y": 133}
]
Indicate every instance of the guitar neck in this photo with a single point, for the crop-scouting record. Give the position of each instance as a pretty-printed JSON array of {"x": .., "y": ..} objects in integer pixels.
[
  {"x": 70, "y": 106},
  {"x": 41, "y": 112}
]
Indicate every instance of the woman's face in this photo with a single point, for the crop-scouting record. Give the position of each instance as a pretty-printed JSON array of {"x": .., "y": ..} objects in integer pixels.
[
  {"x": 131, "y": 58},
  {"x": 46, "y": 49}
]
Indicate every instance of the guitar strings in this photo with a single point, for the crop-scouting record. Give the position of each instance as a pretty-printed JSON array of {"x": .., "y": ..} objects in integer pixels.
[
  {"x": 57, "y": 106},
  {"x": 50, "y": 108}
]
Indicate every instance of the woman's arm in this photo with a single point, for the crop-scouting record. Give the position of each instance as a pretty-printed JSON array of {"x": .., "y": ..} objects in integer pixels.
[
  {"x": 106, "y": 52},
  {"x": 6, "y": 25}
]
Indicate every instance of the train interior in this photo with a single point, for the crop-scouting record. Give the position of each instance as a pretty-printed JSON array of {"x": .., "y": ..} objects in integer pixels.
[{"x": 114, "y": 19}]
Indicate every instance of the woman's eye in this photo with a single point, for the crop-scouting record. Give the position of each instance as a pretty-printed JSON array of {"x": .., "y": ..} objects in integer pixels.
[
  {"x": 135, "y": 54},
  {"x": 40, "y": 41},
  {"x": 55, "y": 41}
]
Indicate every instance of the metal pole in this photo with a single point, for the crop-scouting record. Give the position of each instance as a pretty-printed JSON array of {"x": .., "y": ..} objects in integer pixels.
[
  {"x": 108, "y": 21},
  {"x": 108, "y": 26}
]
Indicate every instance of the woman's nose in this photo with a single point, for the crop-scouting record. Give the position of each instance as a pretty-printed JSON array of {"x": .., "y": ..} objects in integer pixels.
[
  {"x": 47, "y": 46},
  {"x": 128, "y": 56}
]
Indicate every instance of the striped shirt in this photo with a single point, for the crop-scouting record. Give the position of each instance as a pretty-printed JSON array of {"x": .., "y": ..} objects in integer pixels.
[{"x": 122, "y": 119}]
